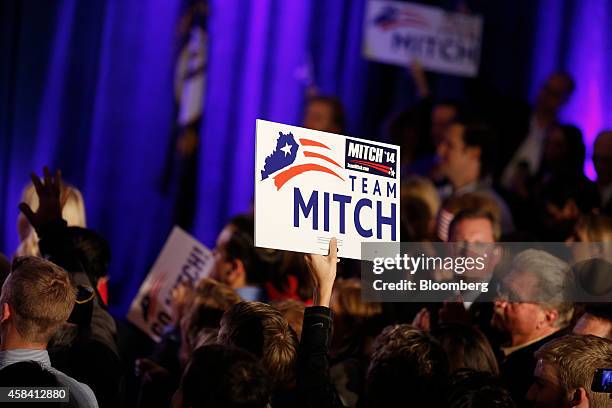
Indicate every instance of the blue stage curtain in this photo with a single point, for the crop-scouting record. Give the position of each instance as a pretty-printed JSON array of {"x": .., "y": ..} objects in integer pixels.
[
  {"x": 87, "y": 86},
  {"x": 88, "y": 89},
  {"x": 575, "y": 36}
]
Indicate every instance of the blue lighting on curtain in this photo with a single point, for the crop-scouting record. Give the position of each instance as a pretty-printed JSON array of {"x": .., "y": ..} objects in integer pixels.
[{"x": 575, "y": 36}]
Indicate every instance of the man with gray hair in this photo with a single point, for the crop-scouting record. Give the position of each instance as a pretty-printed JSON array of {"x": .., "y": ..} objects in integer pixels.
[{"x": 532, "y": 307}]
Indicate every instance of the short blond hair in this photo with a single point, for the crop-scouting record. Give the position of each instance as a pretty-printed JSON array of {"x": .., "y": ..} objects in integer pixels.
[
  {"x": 40, "y": 296},
  {"x": 576, "y": 357}
]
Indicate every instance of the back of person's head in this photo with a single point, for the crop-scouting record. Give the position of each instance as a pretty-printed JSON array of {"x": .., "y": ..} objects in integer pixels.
[
  {"x": 575, "y": 147},
  {"x": 477, "y": 389},
  {"x": 563, "y": 152},
  {"x": 241, "y": 245},
  {"x": 477, "y": 133},
  {"x": 223, "y": 376},
  {"x": 407, "y": 362},
  {"x": 73, "y": 211},
  {"x": 564, "y": 198},
  {"x": 29, "y": 374},
  {"x": 420, "y": 203},
  {"x": 92, "y": 251},
  {"x": 293, "y": 312},
  {"x": 262, "y": 330},
  {"x": 40, "y": 297},
  {"x": 346, "y": 301},
  {"x": 214, "y": 295},
  {"x": 596, "y": 319},
  {"x": 201, "y": 318},
  {"x": 466, "y": 347},
  {"x": 356, "y": 323},
  {"x": 574, "y": 359},
  {"x": 593, "y": 279}
]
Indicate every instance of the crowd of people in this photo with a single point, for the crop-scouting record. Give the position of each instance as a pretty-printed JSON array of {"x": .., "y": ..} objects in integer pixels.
[{"x": 273, "y": 328}]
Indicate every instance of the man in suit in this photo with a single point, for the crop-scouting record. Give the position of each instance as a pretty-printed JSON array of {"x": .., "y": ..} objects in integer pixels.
[{"x": 532, "y": 308}]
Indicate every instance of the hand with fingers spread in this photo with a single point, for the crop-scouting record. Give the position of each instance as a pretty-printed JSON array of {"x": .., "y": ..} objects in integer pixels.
[
  {"x": 50, "y": 205},
  {"x": 323, "y": 272}
]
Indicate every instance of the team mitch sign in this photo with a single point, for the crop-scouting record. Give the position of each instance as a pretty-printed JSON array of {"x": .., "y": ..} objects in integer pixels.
[{"x": 313, "y": 185}]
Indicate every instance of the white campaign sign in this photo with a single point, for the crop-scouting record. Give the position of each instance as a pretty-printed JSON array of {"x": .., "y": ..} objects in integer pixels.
[
  {"x": 398, "y": 33},
  {"x": 182, "y": 259},
  {"x": 311, "y": 186}
]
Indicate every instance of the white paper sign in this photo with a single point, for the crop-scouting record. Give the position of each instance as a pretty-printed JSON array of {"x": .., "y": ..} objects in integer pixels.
[
  {"x": 311, "y": 186},
  {"x": 398, "y": 33},
  {"x": 182, "y": 259}
]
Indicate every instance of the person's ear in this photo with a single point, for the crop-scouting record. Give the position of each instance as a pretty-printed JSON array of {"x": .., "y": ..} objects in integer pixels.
[
  {"x": 237, "y": 272},
  {"x": 5, "y": 312},
  {"x": 550, "y": 316},
  {"x": 578, "y": 398}
]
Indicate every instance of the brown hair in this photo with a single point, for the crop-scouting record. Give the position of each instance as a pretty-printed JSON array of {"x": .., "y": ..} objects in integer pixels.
[
  {"x": 476, "y": 214},
  {"x": 209, "y": 300},
  {"x": 576, "y": 357},
  {"x": 475, "y": 201},
  {"x": 466, "y": 347},
  {"x": 407, "y": 359},
  {"x": 346, "y": 300},
  {"x": 261, "y": 329},
  {"x": 40, "y": 296},
  {"x": 293, "y": 312}
]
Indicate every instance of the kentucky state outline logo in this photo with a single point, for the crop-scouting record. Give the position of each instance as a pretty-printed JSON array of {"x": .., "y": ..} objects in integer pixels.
[{"x": 291, "y": 158}]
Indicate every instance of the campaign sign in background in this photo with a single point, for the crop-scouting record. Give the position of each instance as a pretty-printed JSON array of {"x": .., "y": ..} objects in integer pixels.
[
  {"x": 182, "y": 259},
  {"x": 311, "y": 186},
  {"x": 399, "y": 32}
]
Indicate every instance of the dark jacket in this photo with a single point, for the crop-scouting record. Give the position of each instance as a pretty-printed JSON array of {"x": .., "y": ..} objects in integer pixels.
[
  {"x": 314, "y": 382},
  {"x": 517, "y": 369}
]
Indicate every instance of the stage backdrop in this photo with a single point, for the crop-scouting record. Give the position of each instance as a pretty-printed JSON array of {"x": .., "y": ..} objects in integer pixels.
[{"x": 88, "y": 86}]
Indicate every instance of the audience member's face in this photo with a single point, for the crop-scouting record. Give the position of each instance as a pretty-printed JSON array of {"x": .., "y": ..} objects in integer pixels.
[
  {"x": 513, "y": 312},
  {"x": 546, "y": 390},
  {"x": 442, "y": 117},
  {"x": 320, "y": 116},
  {"x": 221, "y": 263},
  {"x": 602, "y": 158},
  {"x": 455, "y": 156},
  {"x": 589, "y": 324},
  {"x": 478, "y": 237},
  {"x": 554, "y": 94},
  {"x": 473, "y": 230}
]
